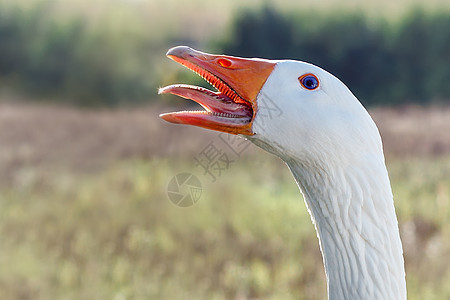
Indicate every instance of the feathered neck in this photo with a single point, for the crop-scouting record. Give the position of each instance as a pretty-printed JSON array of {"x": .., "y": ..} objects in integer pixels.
[{"x": 353, "y": 212}]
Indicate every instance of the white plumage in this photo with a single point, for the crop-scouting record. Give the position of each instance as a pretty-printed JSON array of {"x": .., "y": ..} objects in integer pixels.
[{"x": 334, "y": 151}]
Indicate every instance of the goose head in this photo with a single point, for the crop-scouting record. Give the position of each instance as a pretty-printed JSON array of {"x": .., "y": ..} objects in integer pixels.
[{"x": 292, "y": 109}]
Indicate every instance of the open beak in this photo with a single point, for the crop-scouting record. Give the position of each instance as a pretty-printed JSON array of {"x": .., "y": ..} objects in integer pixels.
[{"x": 232, "y": 108}]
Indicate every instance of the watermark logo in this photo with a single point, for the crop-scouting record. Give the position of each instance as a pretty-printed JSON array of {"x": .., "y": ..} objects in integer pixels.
[
  {"x": 184, "y": 189},
  {"x": 215, "y": 158},
  {"x": 267, "y": 108},
  {"x": 213, "y": 161}
]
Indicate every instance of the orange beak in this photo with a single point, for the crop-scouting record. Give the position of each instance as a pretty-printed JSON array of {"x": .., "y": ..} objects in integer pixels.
[{"x": 233, "y": 107}]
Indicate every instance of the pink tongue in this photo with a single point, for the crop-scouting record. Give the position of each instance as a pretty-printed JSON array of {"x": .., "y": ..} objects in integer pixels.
[{"x": 214, "y": 102}]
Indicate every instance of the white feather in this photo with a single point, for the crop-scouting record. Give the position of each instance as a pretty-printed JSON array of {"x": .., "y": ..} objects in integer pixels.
[{"x": 334, "y": 151}]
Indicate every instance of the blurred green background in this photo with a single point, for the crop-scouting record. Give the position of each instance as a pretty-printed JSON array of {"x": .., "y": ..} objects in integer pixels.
[
  {"x": 85, "y": 161},
  {"x": 110, "y": 52}
]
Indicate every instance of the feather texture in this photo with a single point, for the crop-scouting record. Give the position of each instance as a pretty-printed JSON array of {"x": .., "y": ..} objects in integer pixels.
[{"x": 334, "y": 151}]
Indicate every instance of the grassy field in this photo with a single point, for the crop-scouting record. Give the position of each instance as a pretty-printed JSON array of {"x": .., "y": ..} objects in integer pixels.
[{"x": 84, "y": 212}]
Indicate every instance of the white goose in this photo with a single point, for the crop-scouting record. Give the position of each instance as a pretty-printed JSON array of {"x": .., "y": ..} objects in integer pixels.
[{"x": 330, "y": 144}]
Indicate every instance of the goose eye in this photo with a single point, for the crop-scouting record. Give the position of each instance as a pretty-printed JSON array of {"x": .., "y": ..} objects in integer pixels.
[{"x": 309, "y": 81}]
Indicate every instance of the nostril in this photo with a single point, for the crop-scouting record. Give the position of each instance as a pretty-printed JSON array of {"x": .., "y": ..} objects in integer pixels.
[{"x": 224, "y": 62}]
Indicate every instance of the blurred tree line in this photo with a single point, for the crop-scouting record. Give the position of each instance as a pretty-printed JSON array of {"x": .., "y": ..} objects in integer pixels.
[
  {"x": 383, "y": 63},
  {"x": 72, "y": 59}
]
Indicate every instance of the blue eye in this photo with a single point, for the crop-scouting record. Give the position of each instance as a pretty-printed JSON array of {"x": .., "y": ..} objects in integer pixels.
[{"x": 309, "y": 81}]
